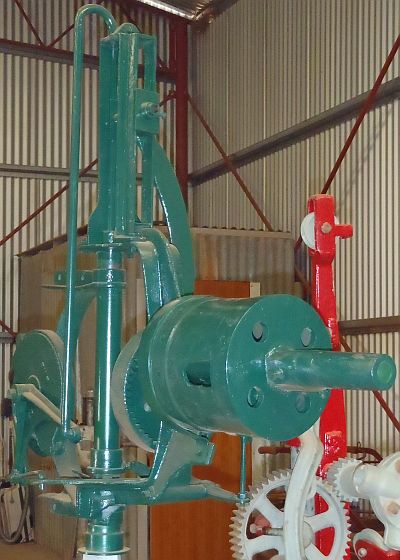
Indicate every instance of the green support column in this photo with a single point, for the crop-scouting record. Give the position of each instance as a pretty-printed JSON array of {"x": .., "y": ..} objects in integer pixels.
[
  {"x": 105, "y": 536},
  {"x": 107, "y": 455}
]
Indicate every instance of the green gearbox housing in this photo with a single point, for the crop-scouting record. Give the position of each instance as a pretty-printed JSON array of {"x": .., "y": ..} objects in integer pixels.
[{"x": 255, "y": 367}]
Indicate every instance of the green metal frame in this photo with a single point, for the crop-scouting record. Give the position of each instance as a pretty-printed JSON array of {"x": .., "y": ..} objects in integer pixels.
[
  {"x": 192, "y": 365},
  {"x": 128, "y": 123}
]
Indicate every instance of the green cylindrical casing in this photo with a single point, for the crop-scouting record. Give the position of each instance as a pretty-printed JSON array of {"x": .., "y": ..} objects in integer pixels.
[
  {"x": 259, "y": 367},
  {"x": 202, "y": 364}
]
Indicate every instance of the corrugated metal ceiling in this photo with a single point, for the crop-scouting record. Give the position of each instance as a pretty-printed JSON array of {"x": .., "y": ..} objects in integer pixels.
[{"x": 191, "y": 9}]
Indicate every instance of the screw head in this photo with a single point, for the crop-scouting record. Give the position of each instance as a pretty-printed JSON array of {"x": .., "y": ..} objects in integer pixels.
[
  {"x": 258, "y": 332},
  {"x": 306, "y": 336},
  {"x": 393, "y": 508},
  {"x": 255, "y": 397},
  {"x": 326, "y": 227},
  {"x": 303, "y": 403},
  {"x": 362, "y": 553}
]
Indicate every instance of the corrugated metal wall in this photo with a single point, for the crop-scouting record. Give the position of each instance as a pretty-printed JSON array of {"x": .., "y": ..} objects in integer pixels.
[
  {"x": 268, "y": 65},
  {"x": 34, "y": 140}
]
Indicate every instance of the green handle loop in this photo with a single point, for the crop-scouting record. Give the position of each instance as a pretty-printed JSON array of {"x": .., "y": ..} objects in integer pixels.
[{"x": 67, "y": 397}]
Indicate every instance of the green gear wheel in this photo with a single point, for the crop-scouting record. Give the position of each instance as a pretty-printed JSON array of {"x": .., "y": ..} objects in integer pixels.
[
  {"x": 139, "y": 423},
  {"x": 38, "y": 360}
]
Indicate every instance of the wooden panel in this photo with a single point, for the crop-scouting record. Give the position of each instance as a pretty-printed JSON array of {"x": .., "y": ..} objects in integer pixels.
[
  {"x": 226, "y": 289},
  {"x": 200, "y": 530}
]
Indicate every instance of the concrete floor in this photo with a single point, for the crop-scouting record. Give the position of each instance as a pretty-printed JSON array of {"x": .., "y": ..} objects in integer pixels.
[{"x": 26, "y": 551}]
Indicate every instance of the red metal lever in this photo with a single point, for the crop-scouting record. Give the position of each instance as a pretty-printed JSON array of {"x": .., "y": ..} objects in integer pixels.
[
  {"x": 322, "y": 257},
  {"x": 369, "y": 551},
  {"x": 333, "y": 419}
]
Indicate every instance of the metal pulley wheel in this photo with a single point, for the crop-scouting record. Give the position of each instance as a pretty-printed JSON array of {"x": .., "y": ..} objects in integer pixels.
[
  {"x": 257, "y": 527},
  {"x": 38, "y": 361},
  {"x": 135, "y": 417},
  {"x": 307, "y": 229}
]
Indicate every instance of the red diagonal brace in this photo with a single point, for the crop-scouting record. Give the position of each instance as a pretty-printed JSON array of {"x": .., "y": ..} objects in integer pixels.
[
  {"x": 8, "y": 329},
  {"x": 18, "y": 3},
  {"x": 364, "y": 111},
  {"x": 44, "y": 206},
  {"x": 68, "y": 29}
]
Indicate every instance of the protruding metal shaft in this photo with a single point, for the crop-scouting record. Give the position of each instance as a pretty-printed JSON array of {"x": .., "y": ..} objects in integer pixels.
[{"x": 314, "y": 370}]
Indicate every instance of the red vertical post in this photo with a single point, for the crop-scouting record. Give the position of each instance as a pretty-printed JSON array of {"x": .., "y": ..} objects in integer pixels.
[
  {"x": 333, "y": 419},
  {"x": 181, "y": 97}
]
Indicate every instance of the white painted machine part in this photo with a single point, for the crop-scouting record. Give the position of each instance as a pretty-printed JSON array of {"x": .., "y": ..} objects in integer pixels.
[
  {"x": 380, "y": 484},
  {"x": 372, "y": 482},
  {"x": 86, "y": 556},
  {"x": 246, "y": 543},
  {"x": 303, "y": 476}
]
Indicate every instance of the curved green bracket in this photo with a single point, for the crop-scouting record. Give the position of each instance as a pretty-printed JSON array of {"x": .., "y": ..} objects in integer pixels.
[
  {"x": 83, "y": 298},
  {"x": 175, "y": 213},
  {"x": 162, "y": 271}
]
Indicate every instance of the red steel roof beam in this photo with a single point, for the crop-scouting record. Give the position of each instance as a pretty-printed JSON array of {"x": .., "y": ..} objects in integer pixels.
[
  {"x": 231, "y": 166},
  {"x": 68, "y": 29},
  {"x": 28, "y": 21}
]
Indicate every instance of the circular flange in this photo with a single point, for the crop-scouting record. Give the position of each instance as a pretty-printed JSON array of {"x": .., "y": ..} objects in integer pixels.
[{"x": 279, "y": 321}]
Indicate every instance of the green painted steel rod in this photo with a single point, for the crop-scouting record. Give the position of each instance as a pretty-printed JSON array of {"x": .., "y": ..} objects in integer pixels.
[
  {"x": 244, "y": 440},
  {"x": 107, "y": 455},
  {"x": 314, "y": 370},
  {"x": 68, "y": 397}
]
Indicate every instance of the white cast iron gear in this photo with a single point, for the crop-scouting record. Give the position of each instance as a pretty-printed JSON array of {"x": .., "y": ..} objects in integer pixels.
[
  {"x": 245, "y": 544},
  {"x": 340, "y": 476}
]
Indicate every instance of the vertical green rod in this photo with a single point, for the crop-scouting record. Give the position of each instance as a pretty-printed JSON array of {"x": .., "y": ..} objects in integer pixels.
[
  {"x": 243, "y": 468},
  {"x": 68, "y": 396},
  {"x": 107, "y": 455}
]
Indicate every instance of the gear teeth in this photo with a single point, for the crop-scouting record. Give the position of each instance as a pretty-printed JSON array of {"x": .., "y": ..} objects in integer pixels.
[
  {"x": 334, "y": 475},
  {"x": 238, "y": 527}
]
